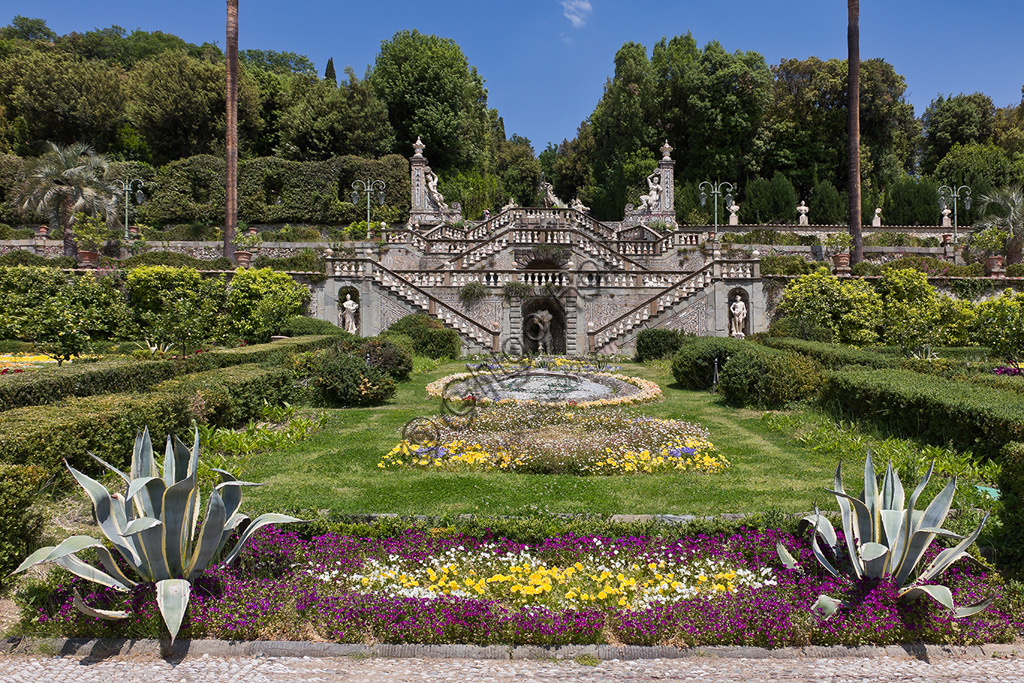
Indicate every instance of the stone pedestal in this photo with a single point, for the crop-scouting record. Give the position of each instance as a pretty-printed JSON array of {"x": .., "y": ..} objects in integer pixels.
[{"x": 425, "y": 210}]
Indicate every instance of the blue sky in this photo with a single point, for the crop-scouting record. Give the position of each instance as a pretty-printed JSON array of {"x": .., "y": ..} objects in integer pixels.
[{"x": 545, "y": 62}]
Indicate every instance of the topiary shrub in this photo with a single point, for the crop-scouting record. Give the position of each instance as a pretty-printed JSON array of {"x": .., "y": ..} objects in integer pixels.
[
  {"x": 260, "y": 300},
  {"x": 20, "y": 257},
  {"x": 385, "y": 355},
  {"x": 176, "y": 260},
  {"x": 1011, "y": 491},
  {"x": 401, "y": 340},
  {"x": 657, "y": 344},
  {"x": 340, "y": 379},
  {"x": 764, "y": 378},
  {"x": 429, "y": 337},
  {"x": 693, "y": 366}
]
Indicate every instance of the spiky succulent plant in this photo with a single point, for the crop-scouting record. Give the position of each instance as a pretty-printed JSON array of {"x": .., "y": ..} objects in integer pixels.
[
  {"x": 154, "y": 529},
  {"x": 885, "y": 539}
]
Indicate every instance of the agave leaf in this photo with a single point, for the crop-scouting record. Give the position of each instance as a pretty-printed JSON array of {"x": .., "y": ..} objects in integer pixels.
[
  {"x": 862, "y": 516},
  {"x": 785, "y": 556},
  {"x": 137, "y": 485},
  {"x": 172, "y": 598},
  {"x": 892, "y": 522},
  {"x": 940, "y": 594},
  {"x": 192, "y": 514},
  {"x": 52, "y": 553},
  {"x": 175, "y": 508},
  {"x": 143, "y": 464},
  {"x": 109, "y": 615},
  {"x": 38, "y": 557},
  {"x": 826, "y": 606},
  {"x": 848, "y": 523},
  {"x": 961, "y": 612},
  {"x": 176, "y": 460},
  {"x": 151, "y": 546},
  {"x": 107, "y": 560},
  {"x": 820, "y": 556},
  {"x": 102, "y": 507},
  {"x": 209, "y": 542},
  {"x": 823, "y": 527},
  {"x": 870, "y": 497},
  {"x": 892, "y": 492},
  {"x": 236, "y": 521},
  {"x": 258, "y": 523},
  {"x": 88, "y": 572},
  {"x": 875, "y": 557},
  {"x": 110, "y": 467},
  {"x": 193, "y": 462},
  {"x": 230, "y": 489},
  {"x": 141, "y": 524},
  {"x": 951, "y": 555},
  {"x": 918, "y": 543}
]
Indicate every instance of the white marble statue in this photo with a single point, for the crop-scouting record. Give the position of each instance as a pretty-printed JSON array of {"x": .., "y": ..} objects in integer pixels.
[
  {"x": 544, "y": 339},
  {"x": 579, "y": 206},
  {"x": 348, "y": 314},
  {"x": 946, "y": 222},
  {"x": 876, "y": 222},
  {"x": 737, "y": 318},
  {"x": 733, "y": 210},
  {"x": 550, "y": 200},
  {"x": 511, "y": 205},
  {"x": 432, "y": 191},
  {"x": 802, "y": 210},
  {"x": 651, "y": 201}
]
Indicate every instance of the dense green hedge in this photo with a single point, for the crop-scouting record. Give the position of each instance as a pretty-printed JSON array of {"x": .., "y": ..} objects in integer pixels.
[
  {"x": 657, "y": 343},
  {"x": 833, "y": 355},
  {"x": 106, "y": 425},
  {"x": 1011, "y": 492},
  {"x": 693, "y": 366},
  {"x": 767, "y": 378},
  {"x": 939, "y": 410},
  {"x": 429, "y": 336},
  {"x": 20, "y": 526},
  {"x": 48, "y": 385}
]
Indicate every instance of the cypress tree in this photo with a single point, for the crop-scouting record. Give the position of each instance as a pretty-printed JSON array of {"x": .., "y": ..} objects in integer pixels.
[{"x": 329, "y": 74}]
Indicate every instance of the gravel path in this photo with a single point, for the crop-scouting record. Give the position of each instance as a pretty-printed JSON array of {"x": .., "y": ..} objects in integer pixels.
[{"x": 150, "y": 668}]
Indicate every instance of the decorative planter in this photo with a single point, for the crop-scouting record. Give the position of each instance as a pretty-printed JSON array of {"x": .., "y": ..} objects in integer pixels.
[
  {"x": 252, "y": 231},
  {"x": 278, "y": 337},
  {"x": 88, "y": 258},
  {"x": 994, "y": 266},
  {"x": 842, "y": 263},
  {"x": 243, "y": 258},
  {"x": 43, "y": 230}
]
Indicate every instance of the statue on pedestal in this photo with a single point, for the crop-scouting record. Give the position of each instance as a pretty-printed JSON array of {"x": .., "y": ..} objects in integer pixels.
[
  {"x": 876, "y": 222},
  {"x": 802, "y": 210},
  {"x": 651, "y": 201},
  {"x": 348, "y": 314},
  {"x": 737, "y": 318}
]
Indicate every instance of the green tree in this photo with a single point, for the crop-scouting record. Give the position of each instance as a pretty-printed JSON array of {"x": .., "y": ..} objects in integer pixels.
[
  {"x": 910, "y": 310},
  {"x": 329, "y": 74},
  {"x": 58, "y": 327},
  {"x": 259, "y": 301},
  {"x": 282, "y": 63},
  {"x": 325, "y": 120},
  {"x": 826, "y": 206},
  {"x": 949, "y": 120},
  {"x": 116, "y": 46},
  {"x": 519, "y": 170},
  {"x": 24, "y": 28},
  {"x": 1000, "y": 326},
  {"x": 912, "y": 201},
  {"x": 770, "y": 201},
  {"x": 432, "y": 92},
  {"x": 178, "y": 105},
  {"x": 58, "y": 97},
  {"x": 570, "y": 169},
  {"x": 63, "y": 182}
]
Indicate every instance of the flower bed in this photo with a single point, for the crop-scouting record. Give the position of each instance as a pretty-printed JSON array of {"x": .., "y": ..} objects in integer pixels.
[
  {"x": 546, "y": 439},
  {"x": 456, "y": 387},
  {"x": 436, "y": 586},
  {"x": 20, "y": 362}
]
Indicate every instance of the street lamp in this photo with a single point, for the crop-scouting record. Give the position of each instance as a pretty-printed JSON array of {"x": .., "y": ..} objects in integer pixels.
[
  {"x": 946, "y": 193},
  {"x": 369, "y": 187},
  {"x": 126, "y": 187},
  {"x": 716, "y": 190}
]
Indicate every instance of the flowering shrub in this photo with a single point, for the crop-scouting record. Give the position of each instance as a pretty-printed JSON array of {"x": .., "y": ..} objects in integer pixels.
[
  {"x": 351, "y": 589},
  {"x": 525, "y": 437}
]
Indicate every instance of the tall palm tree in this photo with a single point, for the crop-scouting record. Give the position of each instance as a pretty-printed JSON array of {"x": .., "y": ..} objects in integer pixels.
[
  {"x": 1004, "y": 209},
  {"x": 64, "y": 181},
  {"x": 853, "y": 126},
  {"x": 231, "y": 143}
]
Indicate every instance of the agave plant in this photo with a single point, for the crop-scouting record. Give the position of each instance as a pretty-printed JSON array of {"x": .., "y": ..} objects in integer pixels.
[
  {"x": 885, "y": 539},
  {"x": 154, "y": 529}
]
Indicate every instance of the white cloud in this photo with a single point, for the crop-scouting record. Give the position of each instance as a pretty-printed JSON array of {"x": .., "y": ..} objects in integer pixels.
[{"x": 577, "y": 11}]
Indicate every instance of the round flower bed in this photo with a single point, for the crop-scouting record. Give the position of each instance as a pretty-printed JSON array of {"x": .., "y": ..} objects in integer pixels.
[{"x": 546, "y": 439}]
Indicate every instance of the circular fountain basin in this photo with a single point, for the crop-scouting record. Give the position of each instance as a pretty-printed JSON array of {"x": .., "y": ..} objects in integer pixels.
[{"x": 543, "y": 386}]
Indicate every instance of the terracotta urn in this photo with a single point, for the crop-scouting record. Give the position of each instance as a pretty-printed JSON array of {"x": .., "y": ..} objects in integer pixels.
[
  {"x": 243, "y": 258},
  {"x": 842, "y": 262},
  {"x": 88, "y": 258},
  {"x": 994, "y": 266}
]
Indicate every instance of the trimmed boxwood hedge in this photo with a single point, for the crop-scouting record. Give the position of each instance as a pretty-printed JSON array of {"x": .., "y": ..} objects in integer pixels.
[
  {"x": 106, "y": 425},
  {"x": 766, "y": 378},
  {"x": 47, "y": 385},
  {"x": 939, "y": 410},
  {"x": 693, "y": 366},
  {"x": 834, "y": 355},
  {"x": 657, "y": 343},
  {"x": 20, "y": 526},
  {"x": 1011, "y": 492}
]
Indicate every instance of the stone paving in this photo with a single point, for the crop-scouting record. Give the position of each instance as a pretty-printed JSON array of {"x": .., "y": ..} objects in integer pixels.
[{"x": 214, "y": 669}]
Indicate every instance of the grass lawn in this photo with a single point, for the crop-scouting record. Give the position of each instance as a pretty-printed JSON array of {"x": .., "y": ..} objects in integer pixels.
[{"x": 337, "y": 469}]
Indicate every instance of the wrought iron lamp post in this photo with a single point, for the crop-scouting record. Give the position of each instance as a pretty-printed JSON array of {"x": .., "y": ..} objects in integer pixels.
[
  {"x": 947, "y": 193},
  {"x": 716, "y": 190},
  {"x": 369, "y": 187},
  {"x": 126, "y": 187}
]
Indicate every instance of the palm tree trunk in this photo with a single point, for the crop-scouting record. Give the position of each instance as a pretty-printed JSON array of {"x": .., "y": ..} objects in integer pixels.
[
  {"x": 66, "y": 218},
  {"x": 231, "y": 143},
  {"x": 853, "y": 127}
]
